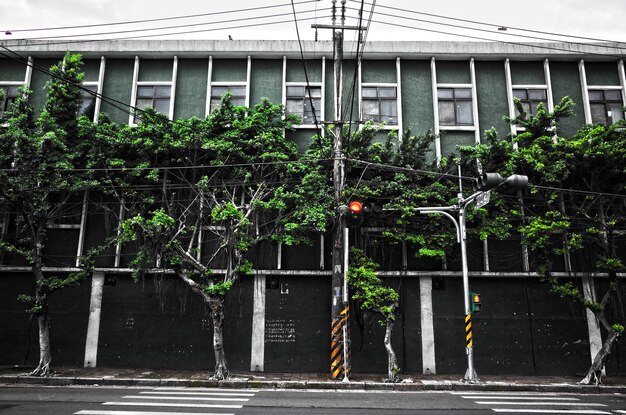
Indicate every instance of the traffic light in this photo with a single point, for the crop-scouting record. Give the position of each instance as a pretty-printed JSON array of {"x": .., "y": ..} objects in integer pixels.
[
  {"x": 475, "y": 303},
  {"x": 511, "y": 184},
  {"x": 358, "y": 207},
  {"x": 489, "y": 180},
  {"x": 355, "y": 207}
]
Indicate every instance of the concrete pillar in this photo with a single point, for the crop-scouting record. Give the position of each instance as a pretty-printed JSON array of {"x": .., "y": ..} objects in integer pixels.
[
  {"x": 428, "y": 331},
  {"x": 257, "y": 357},
  {"x": 93, "y": 328}
]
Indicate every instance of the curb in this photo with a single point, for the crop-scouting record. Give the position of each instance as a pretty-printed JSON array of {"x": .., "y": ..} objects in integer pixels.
[{"x": 312, "y": 385}]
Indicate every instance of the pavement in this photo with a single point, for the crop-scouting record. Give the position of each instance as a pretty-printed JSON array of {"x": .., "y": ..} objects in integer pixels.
[{"x": 243, "y": 380}]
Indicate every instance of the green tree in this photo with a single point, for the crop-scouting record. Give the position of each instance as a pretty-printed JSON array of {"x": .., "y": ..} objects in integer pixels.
[
  {"x": 574, "y": 209},
  {"x": 230, "y": 174},
  {"x": 38, "y": 158},
  {"x": 371, "y": 295}
]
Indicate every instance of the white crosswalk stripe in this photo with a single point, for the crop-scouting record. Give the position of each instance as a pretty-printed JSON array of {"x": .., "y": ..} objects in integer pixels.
[
  {"x": 187, "y": 401},
  {"x": 534, "y": 403}
]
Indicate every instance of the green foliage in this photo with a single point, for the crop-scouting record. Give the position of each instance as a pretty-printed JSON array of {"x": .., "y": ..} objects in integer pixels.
[
  {"x": 219, "y": 289},
  {"x": 618, "y": 328},
  {"x": 368, "y": 289}
]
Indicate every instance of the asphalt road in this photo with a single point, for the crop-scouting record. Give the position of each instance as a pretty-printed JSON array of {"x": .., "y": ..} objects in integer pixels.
[{"x": 97, "y": 400}]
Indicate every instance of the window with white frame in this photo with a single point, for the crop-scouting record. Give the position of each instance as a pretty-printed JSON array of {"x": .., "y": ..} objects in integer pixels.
[
  {"x": 10, "y": 94},
  {"x": 305, "y": 102},
  {"x": 88, "y": 101},
  {"x": 238, "y": 95},
  {"x": 154, "y": 96},
  {"x": 380, "y": 104},
  {"x": 606, "y": 106},
  {"x": 530, "y": 98},
  {"x": 455, "y": 106}
]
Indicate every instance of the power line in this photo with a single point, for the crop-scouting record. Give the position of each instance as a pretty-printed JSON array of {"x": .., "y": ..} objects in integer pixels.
[
  {"x": 118, "y": 32},
  {"x": 495, "y": 25},
  {"x": 160, "y": 19},
  {"x": 489, "y": 31}
]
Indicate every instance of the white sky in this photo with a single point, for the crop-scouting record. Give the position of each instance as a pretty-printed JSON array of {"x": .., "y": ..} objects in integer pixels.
[{"x": 597, "y": 19}]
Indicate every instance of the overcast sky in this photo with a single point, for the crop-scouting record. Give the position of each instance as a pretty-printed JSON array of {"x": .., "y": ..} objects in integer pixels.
[{"x": 594, "y": 19}]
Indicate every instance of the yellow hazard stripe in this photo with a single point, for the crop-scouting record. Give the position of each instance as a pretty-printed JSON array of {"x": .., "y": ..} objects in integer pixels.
[{"x": 468, "y": 331}]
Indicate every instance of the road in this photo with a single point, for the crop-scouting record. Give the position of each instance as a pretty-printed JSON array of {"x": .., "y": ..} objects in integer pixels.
[{"x": 98, "y": 400}]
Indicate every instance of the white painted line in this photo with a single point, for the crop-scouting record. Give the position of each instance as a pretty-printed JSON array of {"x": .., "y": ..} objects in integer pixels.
[
  {"x": 185, "y": 388},
  {"x": 539, "y": 403},
  {"x": 521, "y": 398},
  {"x": 553, "y": 411},
  {"x": 197, "y": 393},
  {"x": 618, "y": 411},
  {"x": 507, "y": 393},
  {"x": 176, "y": 405},
  {"x": 186, "y": 398},
  {"x": 97, "y": 412}
]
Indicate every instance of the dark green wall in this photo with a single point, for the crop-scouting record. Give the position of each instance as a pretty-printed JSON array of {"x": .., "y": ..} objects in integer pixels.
[
  {"x": 295, "y": 70},
  {"x": 566, "y": 82},
  {"x": 155, "y": 70},
  {"x": 191, "y": 88},
  {"x": 38, "y": 83},
  {"x": 451, "y": 139},
  {"x": 91, "y": 68},
  {"x": 527, "y": 73},
  {"x": 229, "y": 70},
  {"x": 118, "y": 82},
  {"x": 602, "y": 73},
  {"x": 492, "y": 99},
  {"x": 417, "y": 97},
  {"x": 378, "y": 71},
  {"x": 11, "y": 70},
  {"x": 266, "y": 81},
  {"x": 453, "y": 72}
]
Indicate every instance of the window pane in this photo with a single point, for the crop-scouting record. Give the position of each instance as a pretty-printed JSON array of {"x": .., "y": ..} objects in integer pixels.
[
  {"x": 525, "y": 106},
  {"x": 370, "y": 110},
  {"x": 598, "y": 114},
  {"x": 215, "y": 102},
  {"x": 615, "y": 112},
  {"x": 464, "y": 113},
  {"x": 143, "y": 103},
  {"x": 218, "y": 91},
  {"x": 596, "y": 96},
  {"x": 533, "y": 107},
  {"x": 163, "y": 91},
  {"x": 463, "y": 93},
  {"x": 613, "y": 95},
  {"x": 446, "y": 113},
  {"x": 537, "y": 94},
  {"x": 369, "y": 92},
  {"x": 295, "y": 91},
  {"x": 388, "y": 109},
  {"x": 294, "y": 106},
  {"x": 162, "y": 105},
  {"x": 387, "y": 92},
  {"x": 445, "y": 93},
  {"x": 145, "y": 91},
  {"x": 520, "y": 93},
  {"x": 238, "y": 91},
  {"x": 238, "y": 102},
  {"x": 316, "y": 92}
]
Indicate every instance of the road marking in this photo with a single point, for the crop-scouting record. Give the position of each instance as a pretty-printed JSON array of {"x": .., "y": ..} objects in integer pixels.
[
  {"x": 553, "y": 411},
  {"x": 184, "y": 388},
  {"x": 186, "y": 398},
  {"x": 197, "y": 393},
  {"x": 506, "y": 393},
  {"x": 180, "y": 405},
  {"x": 97, "y": 412},
  {"x": 539, "y": 403},
  {"x": 521, "y": 398}
]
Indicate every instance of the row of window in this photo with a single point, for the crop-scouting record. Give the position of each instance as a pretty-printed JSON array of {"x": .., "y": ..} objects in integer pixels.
[{"x": 378, "y": 103}]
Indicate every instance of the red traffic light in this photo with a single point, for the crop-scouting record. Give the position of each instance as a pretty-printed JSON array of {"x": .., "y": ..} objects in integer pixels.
[
  {"x": 355, "y": 206},
  {"x": 476, "y": 298}
]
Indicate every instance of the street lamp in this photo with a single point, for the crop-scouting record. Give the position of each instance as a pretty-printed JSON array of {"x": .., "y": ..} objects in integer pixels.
[{"x": 485, "y": 184}]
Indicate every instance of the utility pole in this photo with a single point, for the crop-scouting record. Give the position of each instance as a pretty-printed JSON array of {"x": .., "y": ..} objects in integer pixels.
[{"x": 340, "y": 311}]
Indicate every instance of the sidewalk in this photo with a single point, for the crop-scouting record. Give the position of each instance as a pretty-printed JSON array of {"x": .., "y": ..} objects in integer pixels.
[{"x": 242, "y": 380}]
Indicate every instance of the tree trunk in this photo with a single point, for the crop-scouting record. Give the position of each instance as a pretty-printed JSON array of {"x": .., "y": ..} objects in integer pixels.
[
  {"x": 217, "y": 315},
  {"x": 594, "y": 376},
  {"x": 45, "y": 356},
  {"x": 392, "y": 361}
]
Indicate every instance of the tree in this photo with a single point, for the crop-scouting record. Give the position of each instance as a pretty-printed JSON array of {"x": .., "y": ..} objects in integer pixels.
[
  {"x": 576, "y": 204},
  {"x": 371, "y": 295},
  {"x": 231, "y": 174},
  {"x": 38, "y": 158}
]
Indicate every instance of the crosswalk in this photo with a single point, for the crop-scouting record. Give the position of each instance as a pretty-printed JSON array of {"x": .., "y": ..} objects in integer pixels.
[
  {"x": 162, "y": 401},
  {"x": 535, "y": 403}
]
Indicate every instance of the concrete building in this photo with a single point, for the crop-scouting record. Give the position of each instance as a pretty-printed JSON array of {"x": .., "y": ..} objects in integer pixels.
[{"x": 457, "y": 90}]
